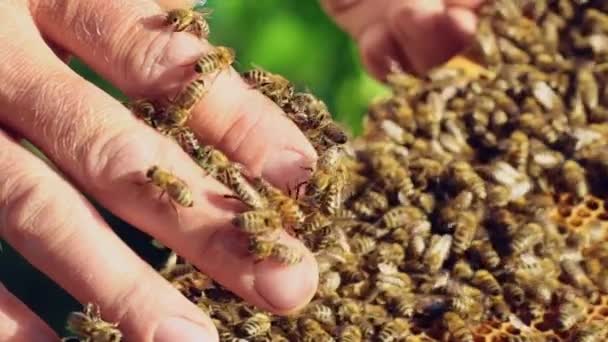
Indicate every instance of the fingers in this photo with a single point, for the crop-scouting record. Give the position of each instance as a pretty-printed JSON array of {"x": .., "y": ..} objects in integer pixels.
[
  {"x": 18, "y": 323},
  {"x": 426, "y": 33},
  {"x": 107, "y": 151},
  {"x": 128, "y": 44},
  {"x": 71, "y": 243}
]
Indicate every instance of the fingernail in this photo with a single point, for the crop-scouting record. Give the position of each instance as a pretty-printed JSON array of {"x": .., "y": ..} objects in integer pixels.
[
  {"x": 286, "y": 288},
  {"x": 287, "y": 168},
  {"x": 180, "y": 329}
]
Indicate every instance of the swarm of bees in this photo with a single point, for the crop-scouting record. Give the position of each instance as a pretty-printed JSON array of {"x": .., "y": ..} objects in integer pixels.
[{"x": 473, "y": 208}]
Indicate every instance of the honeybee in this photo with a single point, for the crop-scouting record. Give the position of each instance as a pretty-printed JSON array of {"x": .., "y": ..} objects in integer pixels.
[
  {"x": 456, "y": 327},
  {"x": 465, "y": 176},
  {"x": 498, "y": 195},
  {"x": 514, "y": 294},
  {"x": 90, "y": 327},
  {"x": 176, "y": 188},
  {"x": 401, "y": 216},
  {"x": 394, "y": 330},
  {"x": 245, "y": 192},
  {"x": 280, "y": 253},
  {"x": 526, "y": 238},
  {"x": 437, "y": 252},
  {"x": 180, "y": 109},
  {"x": 190, "y": 284},
  {"x": 570, "y": 313},
  {"x": 487, "y": 254},
  {"x": 592, "y": 332},
  {"x": 274, "y": 86},
  {"x": 370, "y": 204},
  {"x": 462, "y": 270},
  {"x": 192, "y": 20},
  {"x": 256, "y": 325},
  {"x": 219, "y": 59},
  {"x": 574, "y": 179},
  {"x": 486, "y": 282},
  {"x": 186, "y": 139},
  {"x": 500, "y": 308},
  {"x": 329, "y": 282},
  {"x": 403, "y": 305},
  {"x": 332, "y": 199},
  {"x": 350, "y": 333},
  {"x": 314, "y": 222},
  {"x": 145, "y": 110},
  {"x": 287, "y": 207},
  {"x": 311, "y": 330},
  {"x": 466, "y": 225},
  {"x": 349, "y": 310},
  {"x": 362, "y": 245},
  {"x": 321, "y": 313},
  {"x": 577, "y": 276},
  {"x": 258, "y": 222}
]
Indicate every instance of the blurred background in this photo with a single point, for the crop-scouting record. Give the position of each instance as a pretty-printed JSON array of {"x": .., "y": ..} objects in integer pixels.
[{"x": 293, "y": 38}]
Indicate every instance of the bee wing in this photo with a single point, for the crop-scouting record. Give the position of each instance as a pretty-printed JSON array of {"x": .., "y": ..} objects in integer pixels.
[{"x": 199, "y": 4}]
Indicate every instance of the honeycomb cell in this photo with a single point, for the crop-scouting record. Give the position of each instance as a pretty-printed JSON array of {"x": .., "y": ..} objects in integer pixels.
[
  {"x": 564, "y": 211},
  {"x": 603, "y": 216},
  {"x": 582, "y": 212},
  {"x": 593, "y": 204}
]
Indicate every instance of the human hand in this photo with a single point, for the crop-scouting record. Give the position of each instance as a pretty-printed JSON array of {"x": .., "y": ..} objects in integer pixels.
[
  {"x": 104, "y": 151},
  {"x": 418, "y": 34}
]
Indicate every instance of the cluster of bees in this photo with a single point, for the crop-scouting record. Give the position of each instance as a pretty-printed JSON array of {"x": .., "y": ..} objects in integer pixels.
[{"x": 441, "y": 217}]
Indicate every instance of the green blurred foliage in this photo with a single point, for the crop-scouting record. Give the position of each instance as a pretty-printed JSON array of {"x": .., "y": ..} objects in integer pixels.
[{"x": 293, "y": 38}]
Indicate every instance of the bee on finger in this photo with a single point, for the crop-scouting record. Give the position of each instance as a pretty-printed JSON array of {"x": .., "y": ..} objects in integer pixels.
[
  {"x": 175, "y": 188},
  {"x": 289, "y": 209},
  {"x": 263, "y": 249},
  {"x": 189, "y": 20},
  {"x": 275, "y": 87},
  {"x": 258, "y": 222},
  {"x": 145, "y": 110},
  {"x": 180, "y": 109},
  {"x": 244, "y": 191},
  {"x": 219, "y": 59},
  {"x": 89, "y": 326}
]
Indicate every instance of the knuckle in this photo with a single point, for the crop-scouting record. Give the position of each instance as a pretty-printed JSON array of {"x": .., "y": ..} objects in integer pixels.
[
  {"x": 31, "y": 213},
  {"x": 145, "y": 56},
  {"x": 112, "y": 155}
]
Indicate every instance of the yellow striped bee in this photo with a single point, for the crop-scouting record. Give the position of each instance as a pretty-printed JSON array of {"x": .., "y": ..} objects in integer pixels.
[
  {"x": 189, "y": 20},
  {"x": 273, "y": 86},
  {"x": 263, "y": 249},
  {"x": 288, "y": 208},
  {"x": 256, "y": 325},
  {"x": 234, "y": 179},
  {"x": 457, "y": 328},
  {"x": 89, "y": 326},
  {"x": 394, "y": 330},
  {"x": 219, "y": 59},
  {"x": 258, "y": 222},
  {"x": 180, "y": 109},
  {"x": 177, "y": 189}
]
